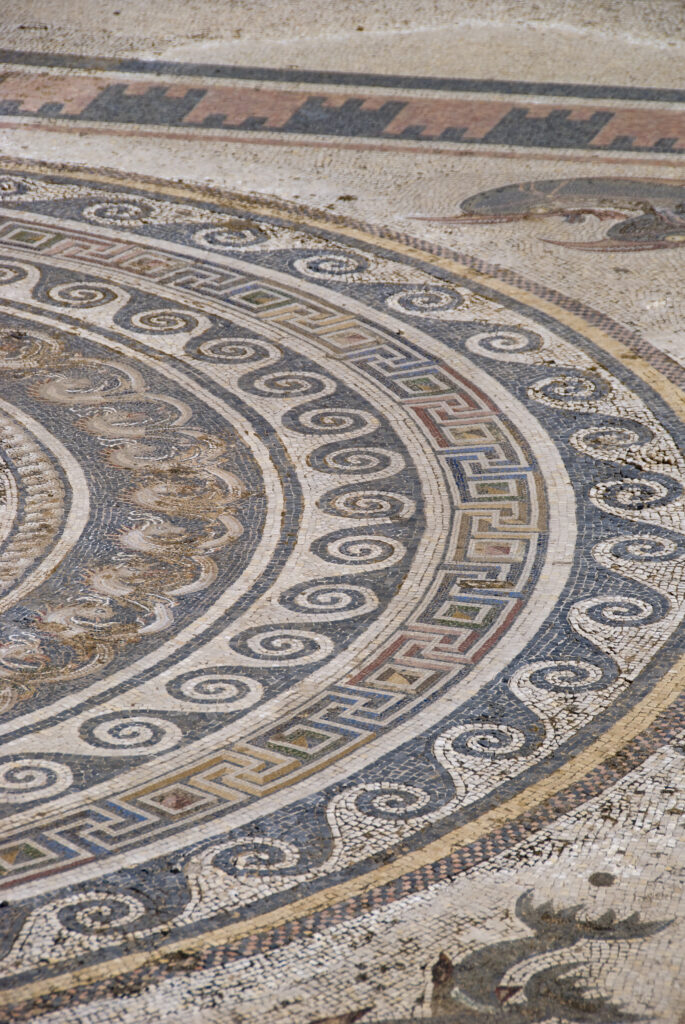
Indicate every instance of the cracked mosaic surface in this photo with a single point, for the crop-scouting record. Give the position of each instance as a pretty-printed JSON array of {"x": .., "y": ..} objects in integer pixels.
[{"x": 341, "y": 576}]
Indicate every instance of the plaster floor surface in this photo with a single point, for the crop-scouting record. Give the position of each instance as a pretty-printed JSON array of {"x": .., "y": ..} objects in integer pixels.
[{"x": 342, "y": 512}]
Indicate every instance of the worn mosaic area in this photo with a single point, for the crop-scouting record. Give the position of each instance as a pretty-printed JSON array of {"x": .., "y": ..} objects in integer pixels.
[{"x": 341, "y": 590}]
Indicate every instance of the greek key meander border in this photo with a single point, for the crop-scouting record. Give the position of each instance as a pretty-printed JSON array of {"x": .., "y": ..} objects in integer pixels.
[
  {"x": 648, "y": 726},
  {"x": 51, "y": 872}
]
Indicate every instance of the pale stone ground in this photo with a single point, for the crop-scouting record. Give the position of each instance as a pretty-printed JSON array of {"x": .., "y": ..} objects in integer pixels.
[{"x": 612, "y": 42}]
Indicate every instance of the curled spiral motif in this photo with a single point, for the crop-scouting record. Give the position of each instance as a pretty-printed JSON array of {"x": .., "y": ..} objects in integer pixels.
[
  {"x": 81, "y": 294},
  {"x": 164, "y": 321},
  {"x": 215, "y": 689},
  {"x": 482, "y": 739},
  {"x": 616, "y": 610},
  {"x": 100, "y": 912},
  {"x": 236, "y": 350},
  {"x": 508, "y": 345},
  {"x": 256, "y": 856},
  {"x": 10, "y": 273},
  {"x": 292, "y": 384},
  {"x": 644, "y": 547},
  {"x": 31, "y": 778},
  {"x": 332, "y": 600},
  {"x": 611, "y": 442},
  {"x": 330, "y": 266},
  {"x": 282, "y": 645},
  {"x": 333, "y": 420},
  {"x": 561, "y": 675},
  {"x": 573, "y": 391},
  {"x": 129, "y": 733},
  {"x": 425, "y": 301},
  {"x": 123, "y": 214},
  {"x": 390, "y": 800},
  {"x": 223, "y": 239},
  {"x": 367, "y": 504},
  {"x": 372, "y": 550},
  {"x": 636, "y": 494},
  {"x": 357, "y": 460}
]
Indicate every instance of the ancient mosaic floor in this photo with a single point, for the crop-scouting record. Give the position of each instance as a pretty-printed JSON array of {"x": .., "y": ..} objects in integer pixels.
[{"x": 342, "y": 554}]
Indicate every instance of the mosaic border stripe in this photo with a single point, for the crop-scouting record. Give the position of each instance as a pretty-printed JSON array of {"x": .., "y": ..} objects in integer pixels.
[
  {"x": 256, "y": 102},
  {"x": 36, "y": 58}
]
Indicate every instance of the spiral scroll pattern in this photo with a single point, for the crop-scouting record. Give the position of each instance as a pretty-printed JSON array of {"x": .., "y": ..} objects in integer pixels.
[
  {"x": 129, "y": 733},
  {"x": 24, "y": 779},
  {"x": 215, "y": 689},
  {"x": 330, "y": 266},
  {"x": 100, "y": 912},
  {"x": 425, "y": 302},
  {"x": 571, "y": 674},
  {"x": 123, "y": 213},
  {"x": 390, "y": 800},
  {"x": 11, "y": 273},
  {"x": 367, "y": 549},
  {"x": 236, "y": 349},
  {"x": 506, "y": 345},
  {"x": 256, "y": 856},
  {"x": 164, "y": 321},
  {"x": 335, "y": 599},
  {"x": 574, "y": 392},
  {"x": 225, "y": 239},
  {"x": 277, "y": 645},
  {"x": 82, "y": 294},
  {"x": 484, "y": 739}
]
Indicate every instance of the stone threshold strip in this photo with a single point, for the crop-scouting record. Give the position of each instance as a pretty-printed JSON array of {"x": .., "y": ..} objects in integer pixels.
[{"x": 225, "y": 101}]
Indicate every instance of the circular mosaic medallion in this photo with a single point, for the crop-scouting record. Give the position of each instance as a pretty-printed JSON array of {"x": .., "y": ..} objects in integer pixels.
[{"x": 316, "y": 550}]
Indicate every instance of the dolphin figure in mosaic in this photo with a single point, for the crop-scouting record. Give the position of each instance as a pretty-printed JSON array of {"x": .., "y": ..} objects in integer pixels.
[{"x": 650, "y": 213}]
